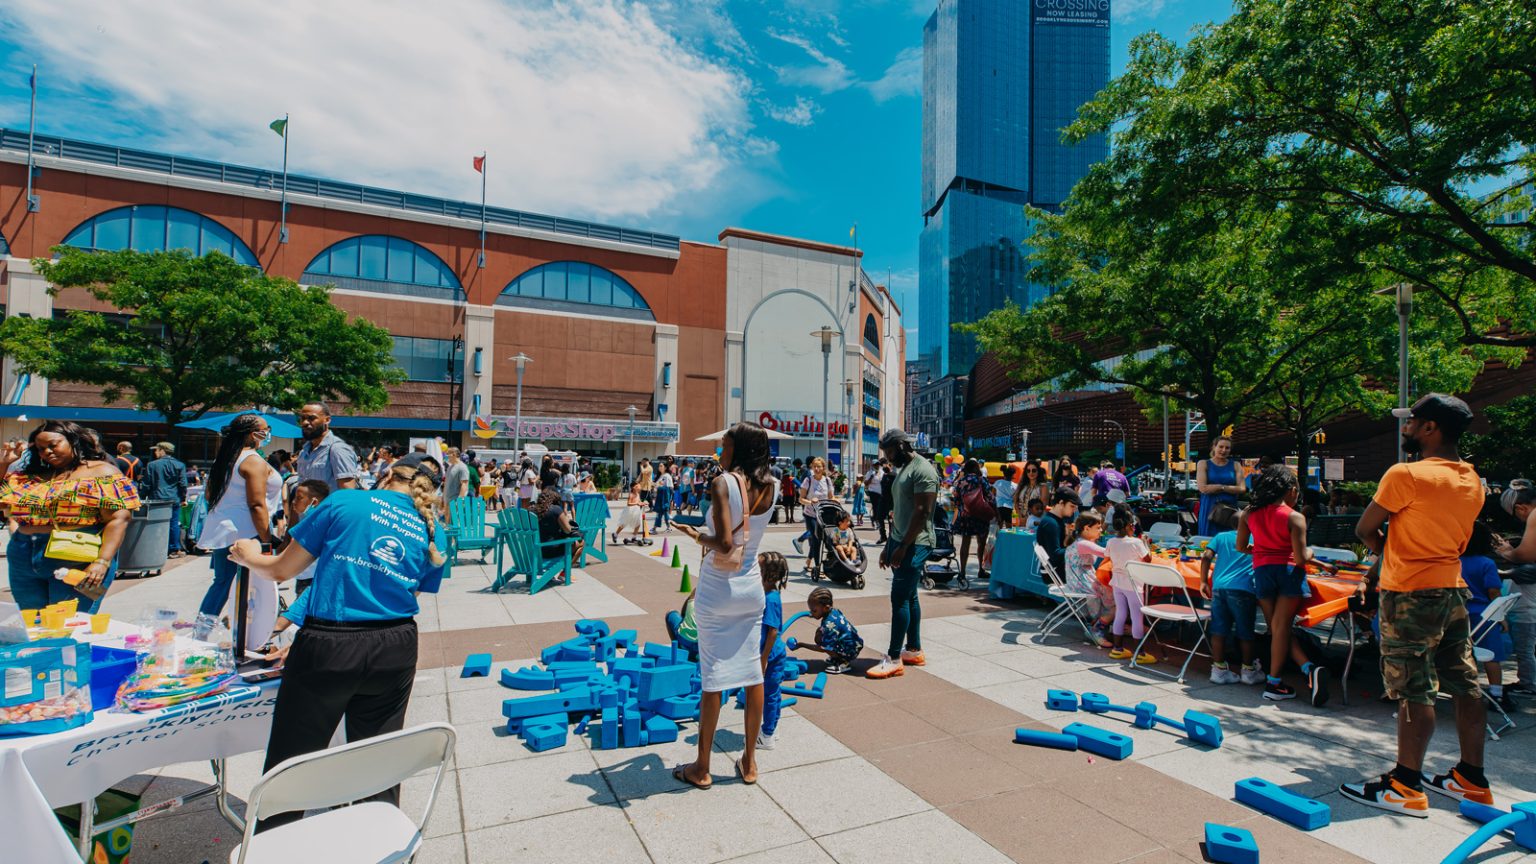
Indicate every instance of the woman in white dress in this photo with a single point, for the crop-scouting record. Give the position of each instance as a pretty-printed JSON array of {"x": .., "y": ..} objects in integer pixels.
[
  {"x": 243, "y": 492},
  {"x": 728, "y": 603}
]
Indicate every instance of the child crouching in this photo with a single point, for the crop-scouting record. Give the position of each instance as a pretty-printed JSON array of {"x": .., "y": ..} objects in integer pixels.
[{"x": 836, "y": 637}]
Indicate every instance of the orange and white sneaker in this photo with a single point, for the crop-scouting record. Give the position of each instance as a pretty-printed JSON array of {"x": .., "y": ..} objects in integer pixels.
[
  {"x": 1452, "y": 785},
  {"x": 888, "y": 667},
  {"x": 913, "y": 658},
  {"x": 1388, "y": 794}
]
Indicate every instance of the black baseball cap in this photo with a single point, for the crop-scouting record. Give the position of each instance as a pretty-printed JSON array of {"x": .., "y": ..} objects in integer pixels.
[
  {"x": 422, "y": 464},
  {"x": 1447, "y": 412}
]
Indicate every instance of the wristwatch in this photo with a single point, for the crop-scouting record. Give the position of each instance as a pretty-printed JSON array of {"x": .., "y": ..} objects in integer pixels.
[{"x": 103, "y": 562}]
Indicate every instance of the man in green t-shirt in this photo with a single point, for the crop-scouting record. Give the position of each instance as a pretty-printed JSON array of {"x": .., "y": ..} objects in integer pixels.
[{"x": 911, "y": 490}]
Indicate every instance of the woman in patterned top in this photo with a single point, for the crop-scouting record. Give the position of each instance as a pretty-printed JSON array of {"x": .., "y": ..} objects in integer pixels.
[{"x": 66, "y": 482}]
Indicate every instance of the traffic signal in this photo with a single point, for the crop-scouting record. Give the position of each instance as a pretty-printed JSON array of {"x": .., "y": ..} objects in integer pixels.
[
  {"x": 1227, "y": 431},
  {"x": 1320, "y": 437},
  {"x": 1183, "y": 452}
]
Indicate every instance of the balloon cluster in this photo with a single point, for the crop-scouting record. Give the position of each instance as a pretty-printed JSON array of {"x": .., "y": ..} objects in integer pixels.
[{"x": 949, "y": 463}]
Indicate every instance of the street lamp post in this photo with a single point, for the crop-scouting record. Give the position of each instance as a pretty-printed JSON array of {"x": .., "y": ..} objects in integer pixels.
[
  {"x": 826, "y": 335},
  {"x": 1125, "y": 452},
  {"x": 522, "y": 360},
  {"x": 1404, "y": 310},
  {"x": 852, "y": 408},
  {"x": 629, "y": 453}
]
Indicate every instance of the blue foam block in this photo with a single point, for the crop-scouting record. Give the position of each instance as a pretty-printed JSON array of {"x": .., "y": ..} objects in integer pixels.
[
  {"x": 801, "y": 691},
  {"x": 1111, "y": 745},
  {"x": 660, "y": 730},
  {"x": 679, "y": 707},
  {"x": 564, "y": 702},
  {"x": 665, "y": 653},
  {"x": 1225, "y": 844},
  {"x": 1202, "y": 728},
  {"x": 592, "y": 627},
  {"x": 791, "y": 643},
  {"x": 630, "y": 719},
  {"x": 1037, "y": 738},
  {"x": 1303, "y": 812},
  {"x": 609, "y": 731},
  {"x": 528, "y": 678},
  {"x": 1146, "y": 716},
  {"x": 541, "y": 738},
  {"x": 788, "y": 701},
  {"x": 663, "y": 682},
  {"x": 625, "y": 638},
  {"x": 1524, "y": 831},
  {"x": 476, "y": 666},
  {"x": 1061, "y": 700}
]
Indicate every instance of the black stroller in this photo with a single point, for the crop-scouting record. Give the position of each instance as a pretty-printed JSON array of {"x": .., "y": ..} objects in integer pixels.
[
  {"x": 833, "y": 565},
  {"x": 940, "y": 568}
]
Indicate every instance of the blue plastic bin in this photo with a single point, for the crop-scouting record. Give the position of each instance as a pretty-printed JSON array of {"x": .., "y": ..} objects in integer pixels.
[{"x": 109, "y": 666}]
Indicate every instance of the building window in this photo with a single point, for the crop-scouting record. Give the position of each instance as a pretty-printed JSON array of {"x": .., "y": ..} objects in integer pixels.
[
  {"x": 424, "y": 359},
  {"x": 872, "y": 334},
  {"x": 575, "y": 286},
  {"x": 384, "y": 265},
  {"x": 153, "y": 228}
]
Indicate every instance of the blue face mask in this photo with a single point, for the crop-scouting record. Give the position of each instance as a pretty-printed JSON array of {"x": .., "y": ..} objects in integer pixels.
[{"x": 265, "y": 440}]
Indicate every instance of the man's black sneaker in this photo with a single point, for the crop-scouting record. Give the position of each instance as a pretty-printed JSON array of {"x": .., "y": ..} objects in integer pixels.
[
  {"x": 1318, "y": 679},
  {"x": 1278, "y": 692}
]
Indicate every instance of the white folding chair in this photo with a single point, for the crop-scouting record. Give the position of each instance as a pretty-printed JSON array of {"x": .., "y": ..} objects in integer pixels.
[
  {"x": 1165, "y": 533},
  {"x": 1147, "y": 575},
  {"x": 1341, "y": 556},
  {"x": 371, "y": 831},
  {"x": 1493, "y": 616},
  {"x": 1074, "y": 601}
]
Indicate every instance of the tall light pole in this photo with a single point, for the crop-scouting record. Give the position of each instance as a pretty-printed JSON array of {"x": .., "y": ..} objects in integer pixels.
[
  {"x": 1125, "y": 452},
  {"x": 826, "y": 334},
  {"x": 522, "y": 360},
  {"x": 853, "y": 408},
  {"x": 1404, "y": 310},
  {"x": 629, "y": 454}
]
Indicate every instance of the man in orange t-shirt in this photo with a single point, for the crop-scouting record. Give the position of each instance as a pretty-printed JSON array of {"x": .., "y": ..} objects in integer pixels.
[{"x": 1426, "y": 645}]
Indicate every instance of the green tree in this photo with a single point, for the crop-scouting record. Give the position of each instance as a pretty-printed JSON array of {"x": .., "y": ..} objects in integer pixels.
[
  {"x": 1508, "y": 450},
  {"x": 1405, "y": 124},
  {"x": 202, "y": 334}
]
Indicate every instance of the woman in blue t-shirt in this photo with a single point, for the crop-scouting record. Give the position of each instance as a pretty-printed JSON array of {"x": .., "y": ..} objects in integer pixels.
[{"x": 356, "y": 653}]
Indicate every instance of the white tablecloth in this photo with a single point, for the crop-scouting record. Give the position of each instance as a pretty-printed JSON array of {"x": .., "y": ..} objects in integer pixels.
[{"x": 42, "y": 772}]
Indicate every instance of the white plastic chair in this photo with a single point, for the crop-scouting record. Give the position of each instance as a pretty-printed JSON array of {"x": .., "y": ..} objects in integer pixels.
[
  {"x": 1165, "y": 533},
  {"x": 1074, "y": 601},
  {"x": 1341, "y": 556},
  {"x": 1147, "y": 575},
  {"x": 1493, "y": 616},
  {"x": 370, "y": 831}
]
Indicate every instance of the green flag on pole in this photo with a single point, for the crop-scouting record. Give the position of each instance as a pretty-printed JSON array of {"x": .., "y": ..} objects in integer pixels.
[{"x": 280, "y": 126}]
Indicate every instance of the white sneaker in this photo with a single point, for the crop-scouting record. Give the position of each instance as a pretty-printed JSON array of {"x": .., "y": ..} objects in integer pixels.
[
  {"x": 764, "y": 742},
  {"x": 1252, "y": 675},
  {"x": 888, "y": 667},
  {"x": 795, "y": 542},
  {"x": 1223, "y": 675}
]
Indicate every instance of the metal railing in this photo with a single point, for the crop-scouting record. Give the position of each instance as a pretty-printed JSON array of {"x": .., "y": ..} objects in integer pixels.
[{"x": 298, "y": 184}]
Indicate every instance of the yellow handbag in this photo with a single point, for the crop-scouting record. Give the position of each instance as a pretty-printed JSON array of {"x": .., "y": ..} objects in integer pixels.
[{"x": 65, "y": 545}]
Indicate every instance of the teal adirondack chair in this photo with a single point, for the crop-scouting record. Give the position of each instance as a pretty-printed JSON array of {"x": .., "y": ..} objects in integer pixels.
[
  {"x": 466, "y": 528},
  {"x": 519, "y": 538},
  {"x": 592, "y": 518}
]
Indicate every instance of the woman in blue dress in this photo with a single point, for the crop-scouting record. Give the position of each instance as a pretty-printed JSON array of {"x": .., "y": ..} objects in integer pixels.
[{"x": 1216, "y": 479}]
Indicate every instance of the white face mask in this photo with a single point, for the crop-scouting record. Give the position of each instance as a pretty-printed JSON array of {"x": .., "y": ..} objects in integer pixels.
[{"x": 267, "y": 439}]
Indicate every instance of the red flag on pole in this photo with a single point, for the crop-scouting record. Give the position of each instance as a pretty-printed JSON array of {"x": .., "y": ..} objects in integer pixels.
[{"x": 480, "y": 164}]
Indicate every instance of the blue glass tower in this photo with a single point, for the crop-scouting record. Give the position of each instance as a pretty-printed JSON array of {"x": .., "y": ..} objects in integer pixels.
[{"x": 1001, "y": 78}]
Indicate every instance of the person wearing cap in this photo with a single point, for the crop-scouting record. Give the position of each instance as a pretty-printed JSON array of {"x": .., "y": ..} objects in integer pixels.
[
  {"x": 1519, "y": 501},
  {"x": 165, "y": 479},
  {"x": 1426, "y": 645},
  {"x": 373, "y": 551},
  {"x": 912, "y": 490}
]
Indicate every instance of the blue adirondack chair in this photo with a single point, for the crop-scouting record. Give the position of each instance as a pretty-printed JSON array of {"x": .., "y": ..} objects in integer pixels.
[
  {"x": 519, "y": 540},
  {"x": 467, "y": 530},
  {"x": 592, "y": 518}
]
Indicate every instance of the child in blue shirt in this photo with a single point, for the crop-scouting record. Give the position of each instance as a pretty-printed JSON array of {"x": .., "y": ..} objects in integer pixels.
[
  {"x": 1231, "y": 592},
  {"x": 836, "y": 637},
  {"x": 775, "y": 572},
  {"x": 1481, "y": 574}
]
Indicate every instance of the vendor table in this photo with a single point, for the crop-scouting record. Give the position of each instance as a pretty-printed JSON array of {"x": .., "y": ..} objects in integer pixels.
[
  {"x": 1015, "y": 567},
  {"x": 39, "y": 773}
]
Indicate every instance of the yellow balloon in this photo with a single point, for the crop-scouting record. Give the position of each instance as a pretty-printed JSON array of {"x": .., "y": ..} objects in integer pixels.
[{"x": 954, "y": 451}]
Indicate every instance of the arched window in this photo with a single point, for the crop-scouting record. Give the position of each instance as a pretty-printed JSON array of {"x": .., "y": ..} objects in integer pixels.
[
  {"x": 384, "y": 265},
  {"x": 153, "y": 228},
  {"x": 575, "y": 286},
  {"x": 872, "y": 333}
]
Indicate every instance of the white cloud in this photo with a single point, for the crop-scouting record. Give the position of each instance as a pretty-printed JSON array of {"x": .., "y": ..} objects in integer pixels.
[
  {"x": 587, "y": 108},
  {"x": 904, "y": 77},
  {"x": 802, "y": 113},
  {"x": 1129, "y": 10},
  {"x": 827, "y": 74}
]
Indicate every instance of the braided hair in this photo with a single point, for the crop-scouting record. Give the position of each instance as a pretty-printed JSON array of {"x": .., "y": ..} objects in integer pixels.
[
  {"x": 230, "y": 444},
  {"x": 1274, "y": 483},
  {"x": 775, "y": 569},
  {"x": 424, "y": 497}
]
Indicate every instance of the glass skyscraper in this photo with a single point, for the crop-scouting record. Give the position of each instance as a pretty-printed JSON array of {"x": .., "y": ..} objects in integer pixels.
[{"x": 1001, "y": 78}]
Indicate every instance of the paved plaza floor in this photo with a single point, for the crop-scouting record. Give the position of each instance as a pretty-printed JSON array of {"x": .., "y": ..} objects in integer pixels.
[{"x": 917, "y": 769}]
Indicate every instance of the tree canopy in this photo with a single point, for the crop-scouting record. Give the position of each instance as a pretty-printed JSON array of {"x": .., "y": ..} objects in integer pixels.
[{"x": 199, "y": 334}]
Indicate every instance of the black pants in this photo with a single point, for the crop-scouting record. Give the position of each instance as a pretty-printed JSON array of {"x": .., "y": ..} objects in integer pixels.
[
  {"x": 880, "y": 504},
  {"x": 361, "y": 671}
]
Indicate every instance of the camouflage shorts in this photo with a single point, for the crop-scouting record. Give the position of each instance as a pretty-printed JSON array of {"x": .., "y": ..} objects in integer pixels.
[{"x": 1426, "y": 644}]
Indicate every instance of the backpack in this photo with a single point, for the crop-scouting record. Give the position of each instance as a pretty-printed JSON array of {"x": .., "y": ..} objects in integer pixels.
[
  {"x": 977, "y": 506},
  {"x": 133, "y": 467}
]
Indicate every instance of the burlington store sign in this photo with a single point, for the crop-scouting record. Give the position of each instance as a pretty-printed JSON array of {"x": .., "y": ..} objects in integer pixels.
[{"x": 803, "y": 426}]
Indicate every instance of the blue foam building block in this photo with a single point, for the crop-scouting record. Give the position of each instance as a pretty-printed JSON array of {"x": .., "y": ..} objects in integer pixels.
[
  {"x": 791, "y": 643},
  {"x": 1111, "y": 745},
  {"x": 476, "y": 666},
  {"x": 1524, "y": 831},
  {"x": 801, "y": 691},
  {"x": 663, "y": 682},
  {"x": 1146, "y": 716},
  {"x": 788, "y": 701},
  {"x": 567, "y": 677},
  {"x": 581, "y": 727},
  {"x": 609, "y": 731},
  {"x": 679, "y": 707},
  {"x": 1299, "y": 810},
  {"x": 660, "y": 730},
  {"x": 1225, "y": 844},
  {"x": 1061, "y": 700},
  {"x": 1095, "y": 703},
  {"x": 564, "y": 702},
  {"x": 541, "y": 738},
  {"x": 625, "y": 638},
  {"x": 1037, "y": 738},
  {"x": 593, "y": 627},
  {"x": 528, "y": 678},
  {"x": 1202, "y": 728},
  {"x": 665, "y": 653},
  {"x": 630, "y": 719}
]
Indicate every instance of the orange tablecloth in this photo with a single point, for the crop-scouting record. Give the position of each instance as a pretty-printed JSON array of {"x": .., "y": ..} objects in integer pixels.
[{"x": 1330, "y": 594}]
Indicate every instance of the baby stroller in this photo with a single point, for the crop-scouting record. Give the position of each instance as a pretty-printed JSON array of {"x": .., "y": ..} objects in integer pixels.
[
  {"x": 844, "y": 571},
  {"x": 940, "y": 568}
]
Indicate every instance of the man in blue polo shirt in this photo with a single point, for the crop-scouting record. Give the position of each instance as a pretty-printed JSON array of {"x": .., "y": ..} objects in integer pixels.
[{"x": 325, "y": 457}]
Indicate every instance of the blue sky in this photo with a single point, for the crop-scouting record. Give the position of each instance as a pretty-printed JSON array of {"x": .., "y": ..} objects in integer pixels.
[{"x": 796, "y": 117}]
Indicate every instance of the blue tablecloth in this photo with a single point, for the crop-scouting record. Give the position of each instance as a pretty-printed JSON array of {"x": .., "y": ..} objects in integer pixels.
[{"x": 1015, "y": 567}]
